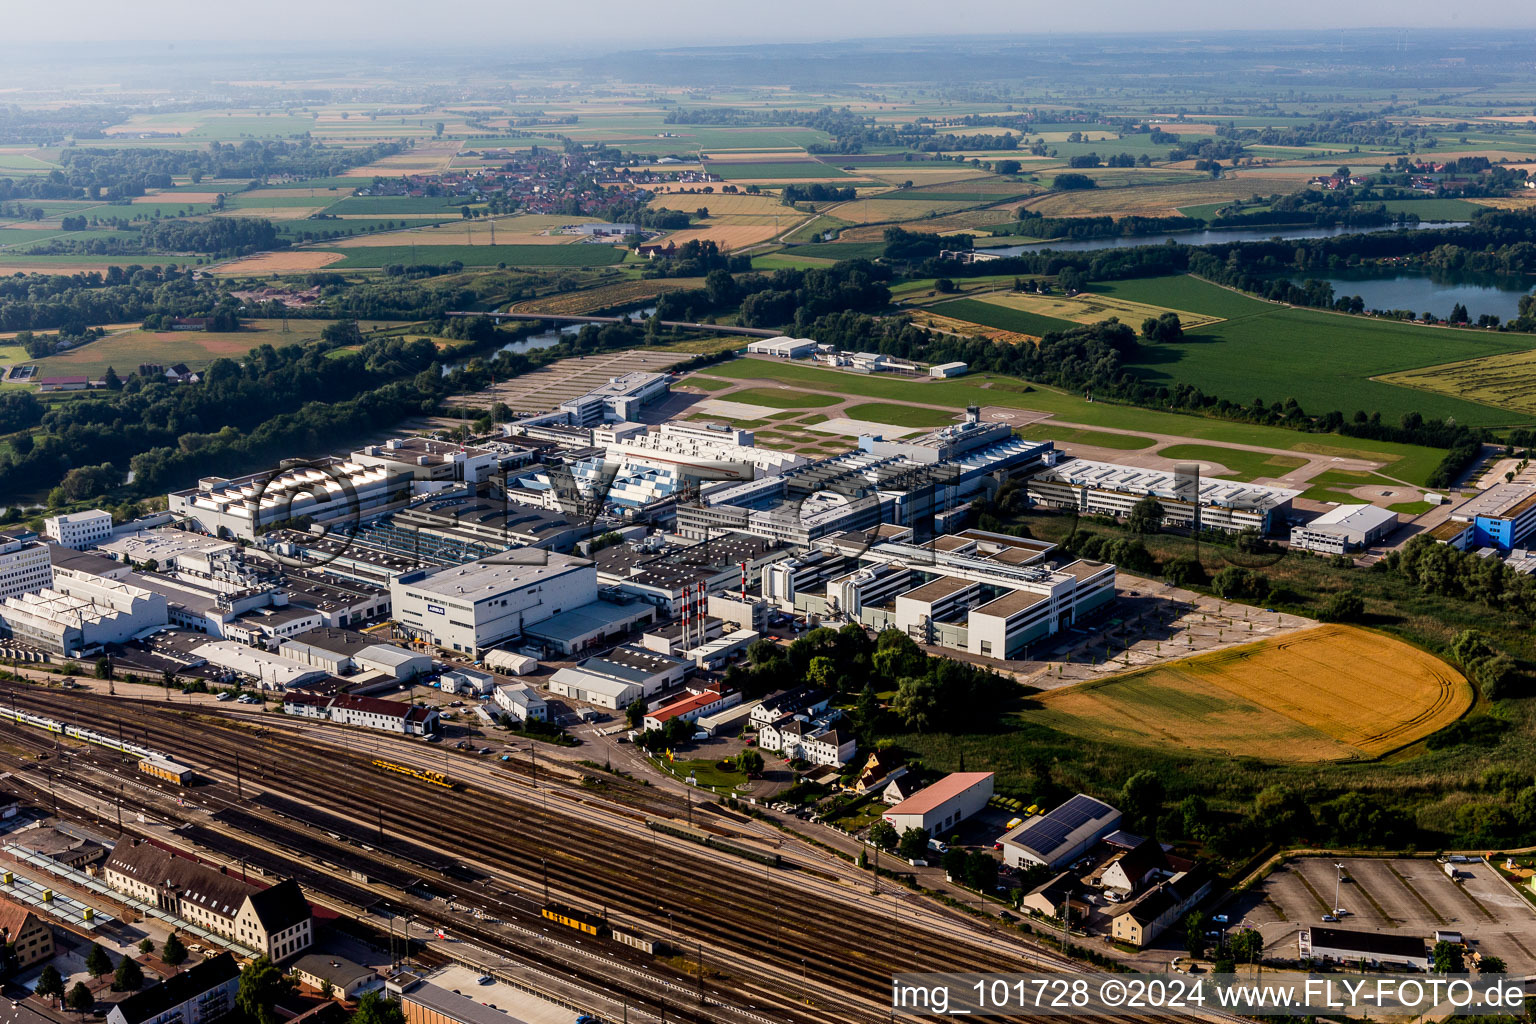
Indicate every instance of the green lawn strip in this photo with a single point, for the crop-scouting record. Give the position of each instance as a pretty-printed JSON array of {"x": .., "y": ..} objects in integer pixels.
[
  {"x": 780, "y": 398},
  {"x": 579, "y": 255},
  {"x": 1335, "y": 485},
  {"x": 709, "y": 383},
  {"x": 1412, "y": 463},
  {"x": 1243, "y": 465},
  {"x": 1076, "y": 435},
  {"x": 899, "y": 415}
]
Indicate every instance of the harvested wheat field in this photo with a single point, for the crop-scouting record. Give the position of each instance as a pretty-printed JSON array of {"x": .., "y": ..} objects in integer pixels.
[
  {"x": 608, "y": 296},
  {"x": 1329, "y": 693},
  {"x": 950, "y": 325},
  {"x": 1090, "y": 308},
  {"x": 290, "y": 262},
  {"x": 734, "y": 236},
  {"x": 426, "y": 156},
  {"x": 1151, "y": 200},
  {"x": 723, "y": 204},
  {"x": 528, "y": 229}
]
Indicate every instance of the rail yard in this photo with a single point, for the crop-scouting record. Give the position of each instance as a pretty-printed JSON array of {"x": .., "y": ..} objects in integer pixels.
[{"x": 493, "y": 860}]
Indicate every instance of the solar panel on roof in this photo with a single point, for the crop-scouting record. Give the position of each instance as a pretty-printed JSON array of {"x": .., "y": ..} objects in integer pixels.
[{"x": 1050, "y": 831}]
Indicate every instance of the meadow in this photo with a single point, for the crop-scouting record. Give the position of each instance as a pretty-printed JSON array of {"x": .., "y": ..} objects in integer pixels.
[
  {"x": 898, "y": 415},
  {"x": 1324, "y": 694},
  {"x": 1412, "y": 463},
  {"x": 1239, "y": 463},
  {"x": 989, "y": 314},
  {"x": 125, "y": 350},
  {"x": 1096, "y": 438},
  {"x": 1092, "y": 307},
  {"x": 778, "y": 170},
  {"x": 779, "y": 398}
]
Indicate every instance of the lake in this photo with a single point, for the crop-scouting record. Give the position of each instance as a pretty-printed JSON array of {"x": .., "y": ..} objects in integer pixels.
[
  {"x": 1428, "y": 291},
  {"x": 544, "y": 339},
  {"x": 1207, "y": 238}
]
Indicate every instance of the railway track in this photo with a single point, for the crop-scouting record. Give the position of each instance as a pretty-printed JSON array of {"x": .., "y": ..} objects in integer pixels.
[{"x": 835, "y": 951}]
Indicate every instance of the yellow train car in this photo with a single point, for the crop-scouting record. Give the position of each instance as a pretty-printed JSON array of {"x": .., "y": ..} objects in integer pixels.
[
  {"x": 170, "y": 771},
  {"x": 589, "y": 924},
  {"x": 427, "y": 775}
]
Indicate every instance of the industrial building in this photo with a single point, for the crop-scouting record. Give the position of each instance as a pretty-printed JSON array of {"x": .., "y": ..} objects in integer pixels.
[
  {"x": 1345, "y": 529},
  {"x": 1060, "y": 836},
  {"x": 343, "y": 652},
  {"x": 947, "y": 370},
  {"x": 1375, "y": 949},
  {"x": 522, "y": 703},
  {"x": 165, "y": 547},
  {"x": 589, "y": 625},
  {"x": 461, "y": 527},
  {"x": 428, "y": 460},
  {"x": 782, "y": 347},
  {"x": 81, "y": 614},
  {"x": 24, "y": 564},
  {"x": 79, "y": 530},
  {"x": 1188, "y": 500},
  {"x": 691, "y": 707},
  {"x": 479, "y": 605},
  {"x": 424, "y": 1003},
  {"x": 317, "y": 489},
  {"x": 1501, "y": 517},
  {"x": 1156, "y": 910},
  {"x": 200, "y": 994},
  {"x": 620, "y": 677},
  {"x": 276, "y": 920},
  {"x": 944, "y": 804},
  {"x": 466, "y": 680},
  {"x": 267, "y": 670}
]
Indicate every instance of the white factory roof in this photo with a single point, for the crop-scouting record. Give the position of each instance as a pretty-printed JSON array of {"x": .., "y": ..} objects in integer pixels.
[
  {"x": 1109, "y": 476},
  {"x": 592, "y": 682},
  {"x": 273, "y": 670},
  {"x": 1355, "y": 517},
  {"x": 782, "y": 345},
  {"x": 162, "y": 545},
  {"x": 1495, "y": 502},
  {"x": 496, "y": 575}
]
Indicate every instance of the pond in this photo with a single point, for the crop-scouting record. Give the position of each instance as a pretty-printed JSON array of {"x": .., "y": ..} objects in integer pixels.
[
  {"x": 1206, "y": 237},
  {"x": 1428, "y": 291},
  {"x": 544, "y": 339}
]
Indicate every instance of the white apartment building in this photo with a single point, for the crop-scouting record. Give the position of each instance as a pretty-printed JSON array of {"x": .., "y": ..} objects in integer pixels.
[
  {"x": 522, "y": 703},
  {"x": 24, "y": 565},
  {"x": 79, "y": 530}
]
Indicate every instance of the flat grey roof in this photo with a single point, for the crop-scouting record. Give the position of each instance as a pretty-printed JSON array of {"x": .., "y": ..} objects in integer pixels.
[
  {"x": 588, "y": 618},
  {"x": 456, "y": 1007},
  {"x": 479, "y": 580}
]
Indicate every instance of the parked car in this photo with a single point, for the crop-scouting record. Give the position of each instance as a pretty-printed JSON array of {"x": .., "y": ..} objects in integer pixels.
[
  {"x": 1220, "y": 918},
  {"x": 1330, "y": 919},
  {"x": 486, "y": 979}
]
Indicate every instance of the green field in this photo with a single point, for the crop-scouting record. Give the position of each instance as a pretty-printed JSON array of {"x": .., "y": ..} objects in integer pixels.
[
  {"x": 1323, "y": 360},
  {"x": 353, "y": 225},
  {"x": 1240, "y": 463},
  {"x": 1004, "y": 319},
  {"x": 124, "y": 351},
  {"x": 779, "y": 398},
  {"x": 386, "y": 206},
  {"x": 1412, "y": 463},
  {"x": 899, "y": 415},
  {"x": 261, "y": 200},
  {"x": 1335, "y": 485},
  {"x": 783, "y": 171},
  {"x": 1435, "y": 209},
  {"x": 1077, "y": 435},
  {"x": 480, "y": 255},
  {"x": 837, "y": 250},
  {"x": 709, "y": 383}
]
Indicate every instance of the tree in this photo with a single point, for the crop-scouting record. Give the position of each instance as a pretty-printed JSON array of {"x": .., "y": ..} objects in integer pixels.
[
  {"x": 634, "y": 713},
  {"x": 173, "y": 952},
  {"x": 1146, "y": 516},
  {"x": 1008, "y": 167},
  {"x": 80, "y": 998},
  {"x": 97, "y": 962},
  {"x": 112, "y": 380},
  {"x": 146, "y": 946},
  {"x": 750, "y": 762},
  {"x": 1184, "y": 570},
  {"x": 1447, "y": 958},
  {"x": 981, "y": 871},
  {"x": 1194, "y": 934},
  {"x": 1141, "y": 798},
  {"x": 1344, "y": 607},
  {"x": 50, "y": 983},
  {"x": 917, "y": 704},
  {"x": 1491, "y": 965},
  {"x": 103, "y": 668},
  {"x": 914, "y": 843},
  {"x": 376, "y": 1008},
  {"x": 128, "y": 977},
  {"x": 262, "y": 984},
  {"x": 883, "y": 834}
]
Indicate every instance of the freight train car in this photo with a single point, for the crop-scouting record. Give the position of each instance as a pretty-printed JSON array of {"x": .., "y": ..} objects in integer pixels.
[
  {"x": 721, "y": 843},
  {"x": 427, "y": 775},
  {"x": 170, "y": 771},
  {"x": 636, "y": 940},
  {"x": 582, "y": 921}
]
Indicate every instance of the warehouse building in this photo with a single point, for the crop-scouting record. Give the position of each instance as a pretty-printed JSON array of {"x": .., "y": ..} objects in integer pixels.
[
  {"x": 424, "y": 1003},
  {"x": 1374, "y": 949},
  {"x": 944, "y": 804},
  {"x": 25, "y": 566},
  {"x": 620, "y": 677},
  {"x": 1189, "y": 501},
  {"x": 165, "y": 547},
  {"x": 1344, "y": 529},
  {"x": 589, "y": 625},
  {"x": 1060, "y": 836},
  {"x": 343, "y": 652},
  {"x": 479, "y": 605},
  {"x": 782, "y": 347},
  {"x": 946, "y": 370},
  {"x": 276, "y": 920},
  {"x": 426, "y": 459},
  {"x": 267, "y": 670},
  {"x": 691, "y": 708},
  {"x": 79, "y": 530},
  {"x": 1501, "y": 517}
]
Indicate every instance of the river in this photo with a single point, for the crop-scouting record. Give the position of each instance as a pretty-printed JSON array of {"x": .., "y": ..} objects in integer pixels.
[{"x": 1213, "y": 237}]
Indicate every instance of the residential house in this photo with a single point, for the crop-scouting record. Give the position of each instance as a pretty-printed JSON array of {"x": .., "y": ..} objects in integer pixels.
[
  {"x": 200, "y": 994},
  {"x": 27, "y": 934}
]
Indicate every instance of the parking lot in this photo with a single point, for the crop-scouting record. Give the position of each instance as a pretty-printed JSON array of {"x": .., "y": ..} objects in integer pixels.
[{"x": 1402, "y": 895}]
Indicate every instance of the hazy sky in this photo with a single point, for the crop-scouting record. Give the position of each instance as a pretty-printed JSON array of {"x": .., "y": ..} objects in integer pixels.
[{"x": 621, "y": 23}]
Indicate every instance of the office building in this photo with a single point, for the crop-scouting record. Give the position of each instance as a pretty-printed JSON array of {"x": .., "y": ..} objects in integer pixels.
[
  {"x": 25, "y": 566},
  {"x": 1345, "y": 529},
  {"x": 479, "y": 605},
  {"x": 79, "y": 530}
]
